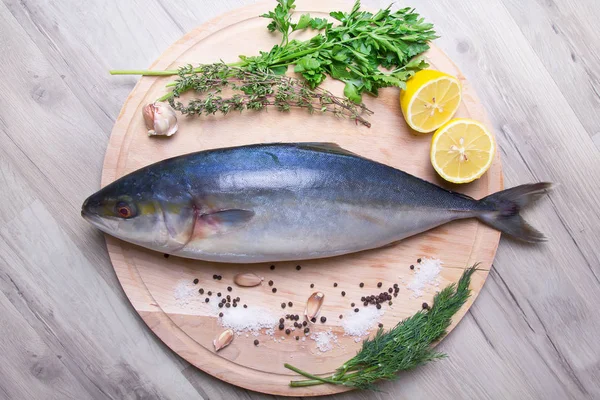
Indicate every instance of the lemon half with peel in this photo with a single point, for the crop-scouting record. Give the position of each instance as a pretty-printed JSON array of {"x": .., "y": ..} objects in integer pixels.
[
  {"x": 462, "y": 150},
  {"x": 430, "y": 99}
]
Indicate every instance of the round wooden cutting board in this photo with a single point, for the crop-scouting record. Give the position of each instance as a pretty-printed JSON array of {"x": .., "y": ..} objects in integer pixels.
[{"x": 161, "y": 289}]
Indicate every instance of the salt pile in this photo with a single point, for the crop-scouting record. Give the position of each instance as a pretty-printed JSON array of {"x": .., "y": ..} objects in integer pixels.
[
  {"x": 185, "y": 292},
  {"x": 427, "y": 274},
  {"x": 251, "y": 319},
  {"x": 324, "y": 340},
  {"x": 358, "y": 324}
]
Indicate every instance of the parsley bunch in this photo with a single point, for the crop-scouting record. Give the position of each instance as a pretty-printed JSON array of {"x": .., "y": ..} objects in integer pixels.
[{"x": 352, "y": 51}]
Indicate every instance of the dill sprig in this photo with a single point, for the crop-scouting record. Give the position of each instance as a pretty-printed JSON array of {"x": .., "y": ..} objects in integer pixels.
[
  {"x": 254, "y": 90},
  {"x": 404, "y": 347}
]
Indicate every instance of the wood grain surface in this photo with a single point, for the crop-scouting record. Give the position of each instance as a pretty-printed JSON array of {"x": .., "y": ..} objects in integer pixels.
[
  {"x": 67, "y": 330},
  {"x": 189, "y": 327}
]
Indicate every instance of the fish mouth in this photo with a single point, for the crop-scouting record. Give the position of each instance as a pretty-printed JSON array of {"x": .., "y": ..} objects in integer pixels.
[{"x": 103, "y": 224}]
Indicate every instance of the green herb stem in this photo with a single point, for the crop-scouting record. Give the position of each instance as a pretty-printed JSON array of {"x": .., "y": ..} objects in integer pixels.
[
  {"x": 145, "y": 72},
  {"x": 311, "y": 376}
]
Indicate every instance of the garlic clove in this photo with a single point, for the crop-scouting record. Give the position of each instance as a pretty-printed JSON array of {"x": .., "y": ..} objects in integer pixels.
[
  {"x": 160, "y": 119},
  {"x": 223, "y": 340},
  {"x": 313, "y": 305},
  {"x": 247, "y": 280}
]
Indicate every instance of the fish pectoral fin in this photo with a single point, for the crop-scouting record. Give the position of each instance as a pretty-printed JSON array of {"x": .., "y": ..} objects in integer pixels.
[{"x": 225, "y": 220}]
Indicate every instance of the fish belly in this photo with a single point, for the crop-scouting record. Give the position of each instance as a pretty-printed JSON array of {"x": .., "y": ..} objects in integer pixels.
[{"x": 284, "y": 230}]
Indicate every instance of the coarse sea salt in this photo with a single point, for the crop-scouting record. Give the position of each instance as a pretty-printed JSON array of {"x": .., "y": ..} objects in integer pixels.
[
  {"x": 358, "y": 324},
  {"x": 185, "y": 293},
  {"x": 325, "y": 340},
  {"x": 251, "y": 319},
  {"x": 427, "y": 274}
]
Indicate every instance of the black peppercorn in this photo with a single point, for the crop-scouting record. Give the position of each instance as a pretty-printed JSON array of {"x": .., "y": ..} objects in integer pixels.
[
  {"x": 229, "y": 288},
  {"x": 166, "y": 255},
  {"x": 280, "y": 327},
  {"x": 334, "y": 284},
  {"x": 361, "y": 284},
  {"x": 282, "y": 305},
  {"x": 220, "y": 314},
  {"x": 418, "y": 260},
  {"x": 290, "y": 304},
  {"x": 298, "y": 268},
  {"x": 201, "y": 291},
  {"x": 272, "y": 267},
  {"x": 379, "y": 284},
  {"x": 274, "y": 290},
  {"x": 343, "y": 293},
  {"x": 323, "y": 319},
  {"x": 281, "y": 320},
  {"x": 412, "y": 267},
  {"x": 425, "y": 306},
  {"x": 313, "y": 320},
  {"x": 209, "y": 293},
  {"x": 196, "y": 281},
  {"x": 351, "y": 304},
  {"x": 306, "y": 330},
  {"x": 270, "y": 283},
  {"x": 206, "y": 300},
  {"x": 287, "y": 331},
  {"x": 356, "y": 310},
  {"x": 312, "y": 285},
  {"x": 256, "y": 342}
]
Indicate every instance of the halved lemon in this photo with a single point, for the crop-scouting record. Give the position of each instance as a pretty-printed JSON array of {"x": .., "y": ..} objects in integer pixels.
[
  {"x": 430, "y": 99},
  {"x": 462, "y": 150}
]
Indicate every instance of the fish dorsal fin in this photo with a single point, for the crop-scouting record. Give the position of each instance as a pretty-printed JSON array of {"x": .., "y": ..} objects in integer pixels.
[{"x": 326, "y": 147}]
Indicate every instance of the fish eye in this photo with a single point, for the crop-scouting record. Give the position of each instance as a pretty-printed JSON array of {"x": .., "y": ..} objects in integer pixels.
[{"x": 124, "y": 210}]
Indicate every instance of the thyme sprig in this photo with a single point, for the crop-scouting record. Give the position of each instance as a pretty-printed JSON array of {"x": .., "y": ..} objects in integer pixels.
[
  {"x": 404, "y": 347},
  {"x": 254, "y": 90}
]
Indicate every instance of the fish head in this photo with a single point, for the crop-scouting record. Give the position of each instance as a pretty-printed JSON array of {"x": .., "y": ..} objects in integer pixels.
[{"x": 142, "y": 212}]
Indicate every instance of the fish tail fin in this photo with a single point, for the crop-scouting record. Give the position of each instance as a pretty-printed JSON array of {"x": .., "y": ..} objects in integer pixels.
[{"x": 507, "y": 204}]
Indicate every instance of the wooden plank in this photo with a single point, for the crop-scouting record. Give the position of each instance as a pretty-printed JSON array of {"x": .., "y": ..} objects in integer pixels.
[
  {"x": 52, "y": 284},
  {"x": 563, "y": 34},
  {"x": 34, "y": 371}
]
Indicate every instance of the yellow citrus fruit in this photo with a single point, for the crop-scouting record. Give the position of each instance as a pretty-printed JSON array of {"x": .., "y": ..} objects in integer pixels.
[
  {"x": 430, "y": 99},
  {"x": 462, "y": 150}
]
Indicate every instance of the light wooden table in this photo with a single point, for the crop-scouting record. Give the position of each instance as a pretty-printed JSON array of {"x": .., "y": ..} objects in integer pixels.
[{"x": 68, "y": 332}]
